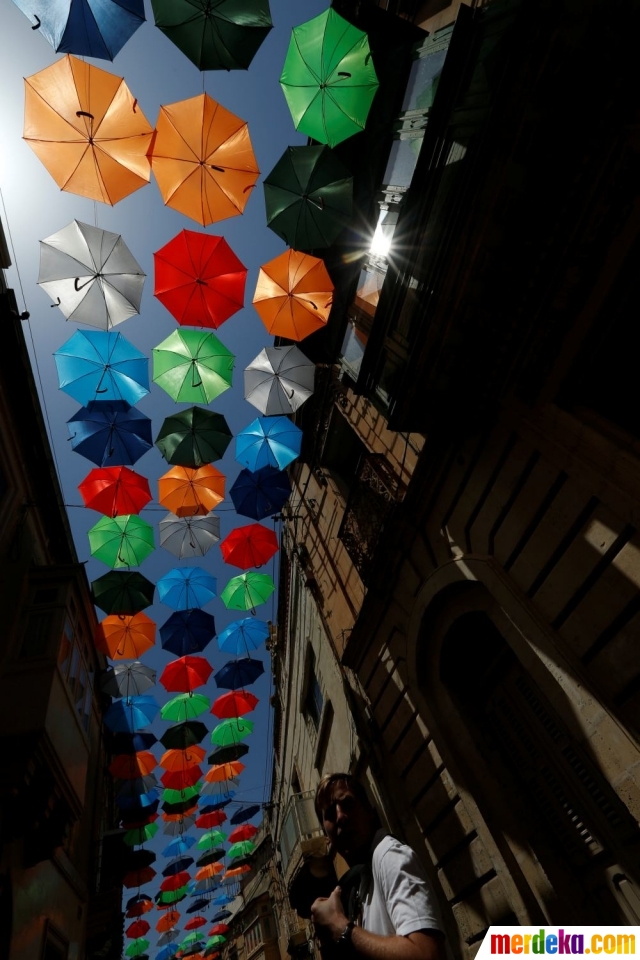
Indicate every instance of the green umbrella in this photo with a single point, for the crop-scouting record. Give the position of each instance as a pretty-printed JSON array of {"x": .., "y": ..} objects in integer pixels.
[
  {"x": 192, "y": 366},
  {"x": 309, "y": 197},
  {"x": 186, "y": 706},
  {"x": 212, "y": 838},
  {"x": 328, "y": 78},
  {"x": 137, "y": 947},
  {"x": 231, "y": 731},
  {"x": 216, "y": 940},
  {"x": 140, "y": 834},
  {"x": 121, "y": 541},
  {"x": 247, "y": 591},
  {"x": 193, "y": 437},
  {"x": 224, "y": 35},
  {"x": 241, "y": 849},
  {"x": 173, "y": 896},
  {"x": 189, "y": 939},
  {"x": 180, "y": 796},
  {"x": 122, "y": 592}
]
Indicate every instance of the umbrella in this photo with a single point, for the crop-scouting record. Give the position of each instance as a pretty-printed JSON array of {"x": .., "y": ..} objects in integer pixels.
[
  {"x": 142, "y": 813},
  {"x": 128, "y": 766},
  {"x": 189, "y": 536},
  {"x": 140, "y": 835},
  {"x": 207, "y": 820},
  {"x": 234, "y": 872},
  {"x": 209, "y": 871},
  {"x": 136, "y": 878},
  {"x": 328, "y": 78},
  {"x": 110, "y": 433},
  {"x": 211, "y": 856},
  {"x": 244, "y": 635},
  {"x": 178, "y": 846},
  {"x": 216, "y": 940},
  {"x": 186, "y": 674},
  {"x": 132, "y": 789},
  {"x": 178, "y": 779},
  {"x": 213, "y": 789},
  {"x": 175, "y": 882},
  {"x": 137, "y": 947},
  {"x": 192, "y": 366},
  {"x": 250, "y": 546},
  {"x": 231, "y": 731},
  {"x": 247, "y": 591},
  {"x": 168, "y": 936},
  {"x": 193, "y": 437},
  {"x": 87, "y": 129},
  {"x": 197, "y": 905},
  {"x": 186, "y": 587},
  {"x": 195, "y": 923},
  {"x": 91, "y": 275},
  {"x": 125, "y": 638},
  {"x": 211, "y": 839},
  {"x": 279, "y": 380},
  {"x": 169, "y": 950},
  {"x": 199, "y": 279},
  {"x": 141, "y": 904},
  {"x": 268, "y": 442},
  {"x": 138, "y": 803},
  {"x": 218, "y": 929},
  {"x": 101, "y": 364},
  {"x": 242, "y": 848},
  {"x": 203, "y": 160},
  {"x": 238, "y": 673},
  {"x": 182, "y": 759},
  {"x": 123, "y": 541},
  {"x": 137, "y": 929},
  {"x": 189, "y": 939},
  {"x": 174, "y": 828},
  {"x": 187, "y": 631},
  {"x": 115, "y": 491},
  {"x": 309, "y": 197},
  {"x": 221, "y": 901},
  {"x": 127, "y": 679},
  {"x": 245, "y": 813},
  {"x": 244, "y": 832},
  {"x": 168, "y": 921},
  {"x": 122, "y": 592},
  {"x": 186, "y": 706},
  {"x": 179, "y": 865},
  {"x": 180, "y": 808},
  {"x": 131, "y": 714},
  {"x": 187, "y": 491},
  {"x": 261, "y": 493},
  {"x": 172, "y": 896},
  {"x": 87, "y": 28},
  {"x": 234, "y": 704},
  {"x": 224, "y": 771},
  {"x": 132, "y": 742},
  {"x": 293, "y": 295},
  {"x": 228, "y": 754},
  {"x": 183, "y": 735},
  {"x": 221, "y": 36}
]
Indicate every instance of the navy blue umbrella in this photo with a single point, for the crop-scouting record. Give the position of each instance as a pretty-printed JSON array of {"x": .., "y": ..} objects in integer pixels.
[
  {"x": 187, "y": 631},
  {"x": 110, "y": 433},
  {"x": 198, "y": 905},
  {"x": 260, "y": 494},
  {"x": 222, "y": 915},
  {"x": 237, "y": 674},
  {"x": 245, "y": 813},
  {"x": 138, "y": 818},
  {"x": 137, "y": 803},
  {"x": 84, "y": 27},
  {"x": 137, "y": 859},
  {"x": 177, "y": 866},
  {"x": 138, "y": 899},
  {"x": 134, "y": 742},
  {"x": 135, "y": 787}
]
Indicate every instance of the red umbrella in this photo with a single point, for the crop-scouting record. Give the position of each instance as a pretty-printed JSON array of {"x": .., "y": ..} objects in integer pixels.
[
  {"x": 195, "y": 922},
  {"x": 182, "y": 759},
  {"x": 137, "y": 909},
  {"x": 218, "y": 930},
  {"x": 185, "y": 674},
  {"x": 234, "y": 704},
  {"x": 137, "y": 929},
  {"x": 115, "y": 491},
  {"x": 199, "y": 279},
  {"x": 130, "y": 766},
  {"x": 175, "y": 882},
  {"x": 244, "y": 832},
  {"x": 136, "y": 878},
  {"x": 249, "y": 546},
  {"x": 179, "y": 779},
  {"x": 207, "y": 820},
  {"x": 143, "y": 820}
]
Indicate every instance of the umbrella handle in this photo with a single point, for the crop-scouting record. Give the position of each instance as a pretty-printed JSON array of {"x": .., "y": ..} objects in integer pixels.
[
  {"x": 37, "y": 26},
  {"x": 82, "y": 286},
  {"x": 57, "y": 303},
  {"x": 219, "y": 169},
  {"x": 84, "y": 113}
]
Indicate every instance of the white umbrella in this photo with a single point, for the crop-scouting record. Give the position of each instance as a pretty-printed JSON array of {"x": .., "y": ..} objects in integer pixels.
[
  {"x": 189, "y": 536},
  {"x": 279, "y": 380},
  {"x": 91, "y": 275},
  {"x": 127, "y": 679}
]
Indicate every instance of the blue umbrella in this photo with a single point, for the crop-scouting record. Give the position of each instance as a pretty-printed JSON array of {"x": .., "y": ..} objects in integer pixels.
[
  {"x": 186, "y": 587},
  {"x": 198, "y": 905},
  {"x": 261, "y": 493},
  {"x": 225, "y": 798},
  {"x": 243, "y": 635},
  {"x": 268, "y": 442},
  {"x": 177, "y": 866},
  {"x": 143, "y": 801},
  {"x": 238, "y": 673},
  {"x": 132, "y": 742},
  {"x": 110, "y": 433},
  {"x": 245, "y": 813},
  {"x": 222, "y": 915},
  {"x": 131, "y": 714},
  {"x": 222, "y": 900},
  {"x": 178, "y": 846},
  {"x": 87, "y": 28},
  {"x": 102, "y": 365},
  {"x": 187, "y": 631},
  {"x": 168, "y": 951}
]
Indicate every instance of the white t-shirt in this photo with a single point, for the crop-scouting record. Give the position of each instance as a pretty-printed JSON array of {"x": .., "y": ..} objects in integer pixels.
[{"x": 399, "y": 899}]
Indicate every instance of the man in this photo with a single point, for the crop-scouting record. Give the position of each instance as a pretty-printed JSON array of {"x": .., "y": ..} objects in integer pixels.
[{"x": 398, "y": 914}]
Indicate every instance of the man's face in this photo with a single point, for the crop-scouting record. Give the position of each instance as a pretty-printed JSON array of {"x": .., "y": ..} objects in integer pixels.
[{"x": 348, "y": 823}]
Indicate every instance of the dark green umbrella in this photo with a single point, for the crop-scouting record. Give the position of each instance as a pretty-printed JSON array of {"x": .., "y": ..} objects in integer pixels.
[
  {"x": 309, "y": 197},
  {"x": 193, "y": 437},
  {"x": 183, "y": 735},
  {"x": 218, "y": 35},
  {"x": 122, "y": 592}
]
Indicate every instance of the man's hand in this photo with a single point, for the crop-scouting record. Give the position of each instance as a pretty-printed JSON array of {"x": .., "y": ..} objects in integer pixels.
[{"x": 328, "y": 915}]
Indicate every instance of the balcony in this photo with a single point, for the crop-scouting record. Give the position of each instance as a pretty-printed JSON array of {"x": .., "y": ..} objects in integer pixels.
[{"x": 301, "y": 835}]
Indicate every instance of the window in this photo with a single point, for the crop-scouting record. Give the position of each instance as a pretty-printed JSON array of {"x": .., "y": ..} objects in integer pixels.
[
  {"x": 253, "y": 937},
  {"x": 313, "y": 699},
  {"x": 74, "y": 664}
]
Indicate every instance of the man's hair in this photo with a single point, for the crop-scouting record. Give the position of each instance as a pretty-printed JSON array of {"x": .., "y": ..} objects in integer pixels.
[{"x": 326, "y": 785}]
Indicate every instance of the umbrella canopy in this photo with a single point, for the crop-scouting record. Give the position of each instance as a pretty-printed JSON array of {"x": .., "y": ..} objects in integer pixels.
[
  {"x": 218, "y": 929},
  {"x": 250, "y": 546},
  {"x": 168, "y": 921},
  {"x": 309, "y": 197},
  {"x": 268, "y": 442},
  {"x": 140, "y": 904},
  {"x": 213, "y": 789},
  {"x": 124, "y": 637},
  {"x": 192, "y": 366},
  {"x": 186, "y": 674},
  {"x": 183, "y": 735},
  {"x": 132, "y": 789},
  {"x": 244, "y": 832},
  {"x": 244, "y": 635},
  {"x": 187, "y": 631},
  {"x": 186, "y": 706},
  {"x": 127, "y": 766},
  {"x": 115, "y": 491},
  {"x": 211, "y": 856},
  {"x": 121, "y": 591},
  {"x": 238, "y": 673},
  {"x": 178, "y": 846},
  {"x": 228, "y": 754},
  {"x": 234, "y": 704},
  {"x": 189, "y": 536},
  {"x": 166, "y": 939},
  {"x": 241, "y": 848},
  {"x": 197, "y": 905},
  {"x": 140, "y": 835},
  {"x": 199, "y": 279},
  {"x": 328, "y": 79},
  {"x": 101, "y": 364},
  {"x": 195, "y": 923},
  {"x": 207, "y": 820},
  {"x": 86, "y": 28},
  {"x": 86, "y": 127},
  {"x": 121, "y": 541},
  {"x": 186, "y": 587},
  {"x": 211, "y": 838},
  {"x": 223, "y": 36},
  {"x": 235, "y": 872},
  {"x": 137, "y": 947},
  {"x": 245, "y": 813},
  {"x": 182, "y": 759},
  {"x": 110, "y": 433},
  {"x": 193, "y": 437},
  {"x": 261, "y": 493},
  {"x": 203, "y": 160},
  {"x": 175, "y": 882},
  {"x": 131, "y": 714},
  {"x": 187, "y": 491},
  {"x": 184, "y": 794},
  {"x": 247, "y": 591},
  {"x": 231, "y": 731},
  {"x": 293, "y": 295},
  {"x": 209, "y": 871},
  {"x": 138, "y": 803},
  {"x": 224, "y": 771},
  {"x": 176, "y": 827},
  {"x": 279, "y": 380},
  {"x": 132, "y": 742},
  {"x": 179, "y": 779},
  {"x": 127, "y": 679},
  {"x": 177, "y": 866},
  {"x": 91, "y": 275},
  {"x": 137, "y": 929},
  {"x": 169, "y": 950}
]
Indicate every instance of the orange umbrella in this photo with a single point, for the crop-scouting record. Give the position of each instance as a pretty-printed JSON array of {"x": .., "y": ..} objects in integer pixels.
[
  {"x": 182, "y": 759},
  {"x": 186, "y": 491},
  {"x": 168, "y": 921},
  {"x": 210, "y": 870},
  {"x": 168, "y": 817},
  {"x": 293, "y": 295},
  {"x": 203, "y": 160},
  {"x": 236, "y": 872},
  {"x": 130, "y": 766},
  {"x": 88, "y": 130},
  {"x": 125, "y": 638},
  {"x": 224, "y": 771}
]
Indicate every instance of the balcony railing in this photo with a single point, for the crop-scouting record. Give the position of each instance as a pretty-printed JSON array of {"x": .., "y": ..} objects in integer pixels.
[{"x": 301, "y": 833}]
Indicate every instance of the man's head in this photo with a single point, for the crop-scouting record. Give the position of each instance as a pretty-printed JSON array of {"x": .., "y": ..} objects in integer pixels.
[{"x": 347, "y": 817}]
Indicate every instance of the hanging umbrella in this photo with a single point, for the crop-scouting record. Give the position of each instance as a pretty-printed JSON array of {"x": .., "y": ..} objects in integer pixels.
[
  {"x": 122, "y": 592},
  {"x": 279, "y": 380},
  {"x": 309, "y": 197},
  {"x": 172, "y": 896},
  {"x": 187, "y": 631},
  {"x": 189, "y": 536},
  {"x": 183, "y": 735},
  {"x": 242, "y": 848},
  {"x": 247, "y": 591},
  {"x": 203, "y": 160},
  {"x": 228, "y": 754},
  {"x": 190, "y": 939},
  {"x": 179, "y": 779},
  {"x": 169, "y": 950},
  {"x": 186, "y": 706},
  {"x": 192, "y": 366},
  {"x": 216, "y": 940},
  {"x": 224, "y": 771},
  {"x": 211, "y": 856},
  {"x": 101, "y": 364},
  {"x": 85, "y": 28},
  {"x": 137, "y": 947},
  {"x": 142, "y": 813},
  {"x": 328, "y": 78},
  {"x": 186, "y": 587},
  {"x": 196, "y": 923},
  {"x": 184, "y": 794},
  {"x": 174, "y": 828},
  {"x": 179, "y": 865},
  {"x": 234, "y": 704},
  {"x": 132, "y": 742},
  {"x": 211, "y": 838},
  {"x": 221, "y": 901},
  {"x": 178, "y": 846},
  {"x": 132, "y": 789},
  {"x": 182, "y": 759},
  {"x": 140, "y": 904},
  {"x": 244, "y": 832},
  {"x": 199, "y": 279},
  {"x": 261, "y": 493},
  {"x": 186, "y": 674},
  {"x": 167, "y": 938},
  {"x": 175, "y": 882},
  {"x": 137, "y": 878},
  {"x": 131, "y": 714},
  {"x": 207, "y": 820},
  {"x": 231, "y": 731},
  {"x": 187, "y": 492},
  {"x": 197, "y": 905},
  {"x": 90, "y": 274},
  {"x": 121, "y": 541},
  {"x": 168, "y": 921},
  {"x": 193, "y": 437},
  {"x": 129, "y": 766},
  {"x": 245, "y": 813},
  {"x": 221, "y": 36},
  {"x": 115, "y": 491},
  {"x": 140, "y": 835},
  {"x": 125, "y": 638},
  {"x": 244, "y": 635},
  {"x": 218, "y": 930},
  {"x": 213, "y": 789},
  {"x": 110, "y": 433},
  {"x": 268, "y": 442},
  {"x": 138, "y": 803},
  {"x": 250, "y": 546},
  {"x": 235, "y": 872},
  {"x": 137, "y": 929},
  {"x": 87, "y": 129},
  {"x": 238, "y": 673},
  {"x": 127, "y": 679},
  {"x": 293, "y": 295},
  {"x": 209, "y": 871}
]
